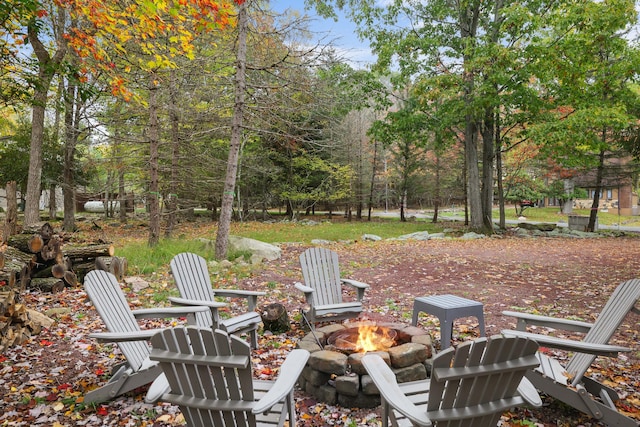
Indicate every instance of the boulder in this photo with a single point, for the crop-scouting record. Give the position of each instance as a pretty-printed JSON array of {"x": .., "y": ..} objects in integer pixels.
[
  {"x": 472, "y": 236},
  {"x": 371, "y": 237},
  {"x": 418, "y": 235},
  {"x": 542, "y": 226},
  {"x": 257, "y": 248},
  {"x": 320, "y": 242}
]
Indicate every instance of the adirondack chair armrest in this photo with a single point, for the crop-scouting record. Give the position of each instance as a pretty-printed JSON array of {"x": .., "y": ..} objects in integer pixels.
[
  {"x": 525, "y": 319},
  {"x": 165, "y": 312},
  {"x": 197, "y": 302},
  {"x": 290, "y": 371},
  {"x": 529, "y": 393},
  {"x": 360, "y": 286},
  {"x": 570, "y": 345},
  {"x": 385, "y": 380},
  {"x": 308, "y": 292},
  {"x": 251, "y": 296},
  {"x": 124, "y": 336}
]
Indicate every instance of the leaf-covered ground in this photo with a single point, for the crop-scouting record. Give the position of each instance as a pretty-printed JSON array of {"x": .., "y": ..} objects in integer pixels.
[{"x": 42, "y": 382}]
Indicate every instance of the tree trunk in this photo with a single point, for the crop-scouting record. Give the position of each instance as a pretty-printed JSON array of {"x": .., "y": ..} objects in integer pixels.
[
  {"x": 123, "y": 196},
  {"x": 488, "y": 149},
  {"x": 226, "y": 210},
  {"x": 53, "y": 208},
  {"x": 491, "y": 133},
  {"x": 436, "y": 196},
  {"x": 373, "y": 178},
  {"x": 469, "y": 25},
  {"x": 474, "y": 199},
  {"x": 503, "y": 220},
  {"x": 106, "y": 201},
  {"x": 596, "y": 197},
  {"x": 118, "y": 149},
  {"x": 154, "y": 142},
  {"x": 71, "y": 126},
  {"x": 11, "y": 219},
  {"x": 47, "y": 68},
  {"x": 32, "y": 204},
  {"x": 171, "y": 199}
]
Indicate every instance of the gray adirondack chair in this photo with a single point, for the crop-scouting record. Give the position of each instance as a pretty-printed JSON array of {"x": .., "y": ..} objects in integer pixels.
[
  {"x": 323, "y": 287},
  {"x": 122, "y": 323},
  {"x": 570, "y": 383},
  {"x": 469, "y": 386},
  {"x": 192, "y": 279},
  {"x": 211, "y": 379}
]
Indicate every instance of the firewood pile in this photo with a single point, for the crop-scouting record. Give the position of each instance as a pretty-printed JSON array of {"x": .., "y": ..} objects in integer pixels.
[{"x": 39, "y": 258}]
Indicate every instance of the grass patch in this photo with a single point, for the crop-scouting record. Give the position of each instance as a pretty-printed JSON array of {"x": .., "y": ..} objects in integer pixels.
[
  {"x": 145, "y": 260},
  {"x": 554, "y": 215},
  {"x": 334, "y": 230}
]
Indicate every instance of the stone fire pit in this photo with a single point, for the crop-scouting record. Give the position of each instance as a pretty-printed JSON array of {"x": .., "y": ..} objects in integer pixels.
[{"x": 336, "y": 376}]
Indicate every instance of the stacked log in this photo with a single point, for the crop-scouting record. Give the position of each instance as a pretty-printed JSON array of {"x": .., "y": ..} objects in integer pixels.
[
  {"x": 39, "y": 258},
  {"x": 12, "y": 331},
  {"x": 18, "y": 323}
]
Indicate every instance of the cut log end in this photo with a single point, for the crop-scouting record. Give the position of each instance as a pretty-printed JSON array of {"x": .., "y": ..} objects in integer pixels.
[{"x": 47, "y": 284}]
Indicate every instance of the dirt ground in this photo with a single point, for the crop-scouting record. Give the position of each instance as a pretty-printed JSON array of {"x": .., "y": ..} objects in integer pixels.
[
  {"x": 570, "y": 277},
  {"x": 561, "y": 277},
  {"x": 42, "y": 382}
]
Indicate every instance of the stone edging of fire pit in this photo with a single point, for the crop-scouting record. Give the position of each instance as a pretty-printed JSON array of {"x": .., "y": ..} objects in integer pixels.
[{"x": 337, "y": 378}]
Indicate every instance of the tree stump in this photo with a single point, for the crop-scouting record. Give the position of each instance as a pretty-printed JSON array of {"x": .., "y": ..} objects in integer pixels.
[
  {"x": 275, "y": 318},
  {"x": 114, "y": 265}
]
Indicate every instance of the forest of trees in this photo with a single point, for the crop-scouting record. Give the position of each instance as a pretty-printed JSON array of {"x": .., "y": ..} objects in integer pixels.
[{"x": 229, "y": 106}]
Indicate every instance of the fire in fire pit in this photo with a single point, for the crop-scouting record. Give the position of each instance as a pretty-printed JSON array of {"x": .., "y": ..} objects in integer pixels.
[
  {"x": 334, "y": 373},
  {"x": 363, "y": 338}
]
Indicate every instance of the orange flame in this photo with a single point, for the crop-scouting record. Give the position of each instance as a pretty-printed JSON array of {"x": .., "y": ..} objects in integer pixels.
[{"x": 373, "y": 338}]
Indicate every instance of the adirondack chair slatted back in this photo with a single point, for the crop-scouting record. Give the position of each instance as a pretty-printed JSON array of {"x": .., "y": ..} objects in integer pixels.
[
  {"x": 321, "y": 272},
  {"x": 609, "y": 320},
  {"x": 216, "y": 390},
  {"x": 107, "y": 297},
  {"x": 192, "y": 279},
  {"x": 474, "y": 384}
]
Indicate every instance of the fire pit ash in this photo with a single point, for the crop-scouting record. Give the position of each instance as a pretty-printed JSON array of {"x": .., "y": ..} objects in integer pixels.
[{"x": 334, "y": 373}]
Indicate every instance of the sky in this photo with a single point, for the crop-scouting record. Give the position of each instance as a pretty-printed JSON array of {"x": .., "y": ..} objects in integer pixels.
[{"x": 341, "y": 33}]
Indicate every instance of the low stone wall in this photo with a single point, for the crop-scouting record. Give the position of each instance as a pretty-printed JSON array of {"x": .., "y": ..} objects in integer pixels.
[{"x": 337, "y": 378}]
